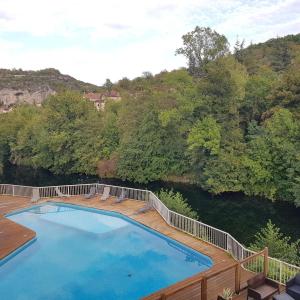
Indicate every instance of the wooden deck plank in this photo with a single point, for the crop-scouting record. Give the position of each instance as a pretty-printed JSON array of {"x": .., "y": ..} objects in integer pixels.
[{"x": 12, "y": 236}]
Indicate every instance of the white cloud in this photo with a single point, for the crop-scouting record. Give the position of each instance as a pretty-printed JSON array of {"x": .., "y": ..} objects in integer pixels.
[{"x": 93, "y": 40}]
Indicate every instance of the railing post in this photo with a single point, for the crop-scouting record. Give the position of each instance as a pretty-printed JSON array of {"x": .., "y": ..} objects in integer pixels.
[
  {"x": 280, "y": 272},
  {"x": 266, "y": 262},
  {"x": 238, "y": 278},
  {"x": 227, "y": 242},
  {"x": 204, "y": 289},
  {"x": 13, "y": 190}
]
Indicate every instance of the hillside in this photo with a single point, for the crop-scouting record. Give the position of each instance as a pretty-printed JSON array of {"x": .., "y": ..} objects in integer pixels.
[
  {"x": 18, "y": 86},
  {"x": 276, "y": 53}
]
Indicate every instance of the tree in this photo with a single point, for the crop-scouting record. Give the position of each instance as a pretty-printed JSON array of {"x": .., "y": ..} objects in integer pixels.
[
  {"x": 175, "y": 201},
  {"x": 63, "y": 138},
  {"x": 201, "y": 46},
  {"x": 281, "y": 57},
  {"x": 147, "y": 75},
  {"x": 108, "y": 85},
  {"x": 279, "y": 246},
  {"x": 239, "y": 50},
  {"x": 150, "y": 152},
  {"x": 257, "y": 91},
  {"x": 203, "y": 142},
  {"x": 273, "y": 157},
  {"x": 296, "y": 190},
  {"x": 205, "y": 136}
]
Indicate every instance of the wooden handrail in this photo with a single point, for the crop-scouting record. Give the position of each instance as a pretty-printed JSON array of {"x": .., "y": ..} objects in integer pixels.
[
  {"x": 261, "y": 253},
  {"x": 203, "y": 279},
  {"x": 175, "y": 288}
]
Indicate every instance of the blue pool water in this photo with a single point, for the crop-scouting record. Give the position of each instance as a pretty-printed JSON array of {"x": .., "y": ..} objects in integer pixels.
[{"x": 92, "y": 254}]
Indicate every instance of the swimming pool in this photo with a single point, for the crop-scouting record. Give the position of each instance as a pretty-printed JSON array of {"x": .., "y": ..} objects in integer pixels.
[{"x": 82, "y": 253}]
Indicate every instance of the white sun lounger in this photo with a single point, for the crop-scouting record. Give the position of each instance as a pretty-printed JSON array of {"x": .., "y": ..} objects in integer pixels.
[
  {"x": 35, "y": 195},
  {"x": 91, "y": 194},
  {"x": 123, "y": 196},
  {"x": 59, "y": 193},
  {"x": 105, "y": 194}
]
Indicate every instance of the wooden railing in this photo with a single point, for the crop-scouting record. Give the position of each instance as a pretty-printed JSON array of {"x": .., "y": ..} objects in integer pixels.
[
  {"x": 207, "y": 286},
  {"x": 277, "y": 270}
]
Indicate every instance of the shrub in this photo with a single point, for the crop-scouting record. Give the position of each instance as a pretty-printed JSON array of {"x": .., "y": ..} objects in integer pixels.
[{"x": 175, "y": 201}]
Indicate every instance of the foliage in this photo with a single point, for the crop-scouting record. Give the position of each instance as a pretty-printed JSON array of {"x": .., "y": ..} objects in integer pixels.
[
  {"x": 279, "y": 245},
  {"x": 205, "y": 135},
  {"x": 273, "y": 156},
  {"x": 230, "y": 123},
  {"x": 60, "y": 136},
  {"x": 175, "y": 201},
  {"x": 227, "y": 294},
  {"x": 150, "y": 152},
  {"x": 201, "y": 46}
]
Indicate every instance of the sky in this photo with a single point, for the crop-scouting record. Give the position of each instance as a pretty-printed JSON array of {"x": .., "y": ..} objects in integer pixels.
[{"x": 92, "y": 40}]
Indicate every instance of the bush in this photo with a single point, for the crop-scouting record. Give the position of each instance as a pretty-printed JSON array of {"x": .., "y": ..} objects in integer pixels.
[
  {"x": 175, "y": 201},
  {"x": 279, "y": 245}
]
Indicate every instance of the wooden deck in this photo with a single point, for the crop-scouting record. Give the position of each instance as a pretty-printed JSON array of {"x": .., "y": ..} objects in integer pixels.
[{"x": 13, "y": 235}]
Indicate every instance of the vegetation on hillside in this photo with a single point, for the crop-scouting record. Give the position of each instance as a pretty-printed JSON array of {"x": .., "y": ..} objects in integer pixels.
[
  {"x": 230, "y": 123},
  {"x": 18, "y": 79}
]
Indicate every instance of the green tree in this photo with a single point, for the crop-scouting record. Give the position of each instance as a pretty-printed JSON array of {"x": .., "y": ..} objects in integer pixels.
[
  {"x": 201, "y": 46},
  {"x": 63, "y": 137},
  {"x": 273, "y": 153},
  {"x": 108, "y": 85},
  {"x": 296, "y": 190},
  {"x": 238, "y": 50},
  {"x": 150, "y": 152},
  {"x": 205, "y": 136},
  {"x": 279, "y": 246},
  {"x": 175, "y": 201},
  {"x": 257, "y": 90}
]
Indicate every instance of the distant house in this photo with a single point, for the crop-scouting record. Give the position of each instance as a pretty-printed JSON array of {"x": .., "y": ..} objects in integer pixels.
[
  {"x": 99, "y": 99},
  {"x": 96, "y": 98},
  {"x": 112, "y": 95}
]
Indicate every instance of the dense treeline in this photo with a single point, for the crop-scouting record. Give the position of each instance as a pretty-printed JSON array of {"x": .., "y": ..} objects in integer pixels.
[{"x": 230, "y": 122}]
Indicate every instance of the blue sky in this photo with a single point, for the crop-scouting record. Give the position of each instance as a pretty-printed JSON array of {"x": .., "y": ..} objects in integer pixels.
[{"x": 93, "y": 40}]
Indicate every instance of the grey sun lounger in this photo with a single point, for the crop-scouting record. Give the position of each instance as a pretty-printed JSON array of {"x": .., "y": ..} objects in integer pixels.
[
  {"x": 105, "y": 194},
  {"x": 59, "y": 193},
  {"x": 144, "y": 209},
  {"x": 91, "y": 194},
  {"x": 35, "y": 196},
  {"x": 123, "y": 196}
]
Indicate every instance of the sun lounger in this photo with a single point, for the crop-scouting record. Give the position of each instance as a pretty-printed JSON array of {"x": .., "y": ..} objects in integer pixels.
[
  {"x": 35, "y": 195},
  {"x": 144, "y": 209},
  {"x": 105, "y": 194},
  {"x": 123, "y": 196},
  {"x": 59, "y": 193},
  {"x": 91, "y": 194}
]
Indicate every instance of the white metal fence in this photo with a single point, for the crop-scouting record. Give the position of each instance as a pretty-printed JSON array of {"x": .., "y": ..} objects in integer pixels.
[{"x": 278, "y": 270}]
